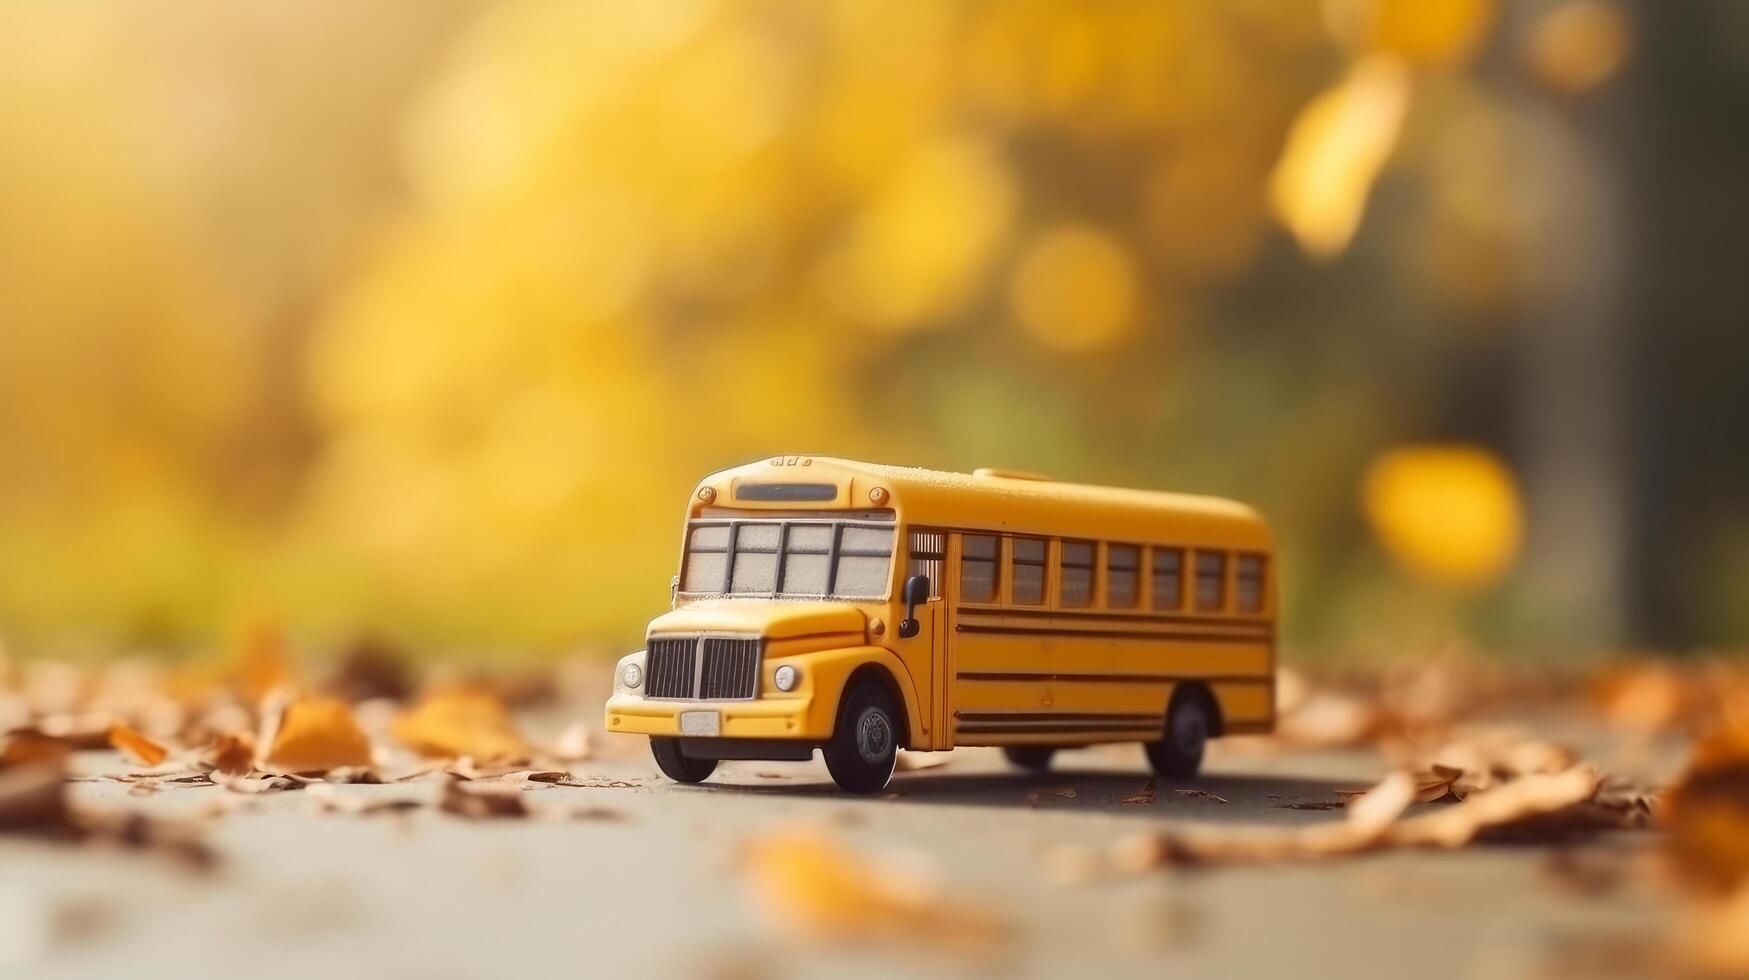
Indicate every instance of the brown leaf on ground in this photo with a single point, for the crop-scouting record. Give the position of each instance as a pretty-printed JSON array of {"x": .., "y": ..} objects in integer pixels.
[
  {"x": 317, "y": 734},
  {"x": 460, "y": 722},
  {"x": 1486, "y": 757},
  {"x": 1347, "y": 795},
  {"x": 136, "y": 746},
  {"x": 1542, "y": 807},
  {"x": 1146, "y": 796},
  {"x": 136, "y": 831},
  {"x": 482, "y": 802},
  {"x": 1439, "y": 785},
  {"x": 1641, "y": 698},
  {"x": 812, "y": 886},
  {"x": 29, "y": 747},
  {"x": 1707, "y": 814},
  {"x": 258, "y": 783},
  {"x": 1201, "y": 794},
  {"x": 232, "y": 753},
  {"x": 1033, "y": 799},
  {"x": 916, "y": 761},
  {"x": 1368, "y": 819},
  {"x": 33, "y": 800}
]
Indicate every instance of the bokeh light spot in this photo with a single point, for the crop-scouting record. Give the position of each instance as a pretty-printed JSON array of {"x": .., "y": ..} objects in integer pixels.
[
  {"x": 1074, "y": 289},
  {"x": 1449, "y": 514}
]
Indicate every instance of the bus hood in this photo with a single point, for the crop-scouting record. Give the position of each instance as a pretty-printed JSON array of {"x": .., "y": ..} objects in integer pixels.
[{"x": 774, "y": 619}]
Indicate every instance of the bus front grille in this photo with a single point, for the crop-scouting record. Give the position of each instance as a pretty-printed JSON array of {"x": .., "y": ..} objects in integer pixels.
[
  {"x": 670, "y": 667},
  {"x": 713, "y": 668},
  {"x": 731, "y": 668}
]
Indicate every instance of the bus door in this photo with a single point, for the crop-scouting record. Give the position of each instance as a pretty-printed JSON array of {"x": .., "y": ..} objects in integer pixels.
[{"x": 925, "y": 654}]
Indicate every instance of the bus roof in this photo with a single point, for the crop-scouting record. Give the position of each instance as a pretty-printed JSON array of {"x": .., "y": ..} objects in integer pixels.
[{"x": 1011, "y": 502}]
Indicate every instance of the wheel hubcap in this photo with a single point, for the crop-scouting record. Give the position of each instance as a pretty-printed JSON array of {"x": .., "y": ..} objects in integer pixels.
[{"x": 874, "y": 736}]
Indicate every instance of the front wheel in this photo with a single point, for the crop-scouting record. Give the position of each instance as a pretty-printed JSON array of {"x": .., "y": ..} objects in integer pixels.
[
  {"x": 1189, "y": 722},
  {"x": 677, "y": 765},
  {"x": 865, "y": 743}
]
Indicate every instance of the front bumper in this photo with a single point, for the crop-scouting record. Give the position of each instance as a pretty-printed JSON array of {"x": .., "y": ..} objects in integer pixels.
[{"x": 788, "y": 717}]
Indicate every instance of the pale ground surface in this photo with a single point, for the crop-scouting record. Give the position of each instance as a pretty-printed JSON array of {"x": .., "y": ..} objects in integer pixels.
[{"x": 426, "y": 894}]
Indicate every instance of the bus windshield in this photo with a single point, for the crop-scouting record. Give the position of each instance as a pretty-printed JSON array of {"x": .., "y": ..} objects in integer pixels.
[{"x": 803, "y": 558}]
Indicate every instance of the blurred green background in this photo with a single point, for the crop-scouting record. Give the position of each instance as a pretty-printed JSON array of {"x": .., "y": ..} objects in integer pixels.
[{"x": 420, "y": 318}]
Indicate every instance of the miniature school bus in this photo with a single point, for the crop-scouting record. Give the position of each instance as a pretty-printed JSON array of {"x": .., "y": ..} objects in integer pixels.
[{"x": 859, "y": 609}]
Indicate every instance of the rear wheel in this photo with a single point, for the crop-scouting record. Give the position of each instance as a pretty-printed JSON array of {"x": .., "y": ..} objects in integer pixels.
[
  {"x": 865, "y": 743},
  {"x": 1189, "y": 723},
  {"x": 678, "y": 766},
  {"x": 1033, "y": 758}
]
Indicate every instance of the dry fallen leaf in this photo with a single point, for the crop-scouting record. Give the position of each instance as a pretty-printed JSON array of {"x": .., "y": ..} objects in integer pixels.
[
  {"x": 1551, "y": 806},
  {"x": 482, "y": 802},
  {"x": 33, "y": 799},
  {"x": 1146, "y": 796},
  {"x": 1067, "y": 793},
  {"x": 27, "y": 746},
  {"x": 232, "y": 754},
  {"x": 1439, "y": 784},
  {"x": 1201, "y": 794},
  {"x": 136, "y": 746},
  {"x": 813, "y": 886},
  {"x": 460, "y": 722},
  {"x": 1707, "y": 813},
  {"x": 317, "y": 734},
  {"x": 1534, "y": 802}
]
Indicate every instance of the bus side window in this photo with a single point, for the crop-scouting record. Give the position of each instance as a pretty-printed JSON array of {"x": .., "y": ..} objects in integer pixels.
[
  {"x": 1168, "y": 578},
  {"x": 1077, "y": 574},
  {"x": 1120, "y": 575},
  {"x": 1029, "y": 572},
  {"x": 977, "y": 568},
  {"x": 1249, "y": 572},
  {"x": 1211, "y": 581}
]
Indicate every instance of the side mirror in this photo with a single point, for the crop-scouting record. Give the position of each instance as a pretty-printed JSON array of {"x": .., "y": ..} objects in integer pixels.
[{"x": 916, "y": 591}]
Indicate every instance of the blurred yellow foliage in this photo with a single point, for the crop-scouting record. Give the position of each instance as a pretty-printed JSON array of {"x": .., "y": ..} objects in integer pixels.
[
  {"x": 1448, "y": 513},
  {"x": 1335, "y": 151},
  {"x": 1074, "y": 289},
  {"x": 1433, "y": 33},
  {"x": 431, "y": 335},
  {"x": 1579, "y": 44}
]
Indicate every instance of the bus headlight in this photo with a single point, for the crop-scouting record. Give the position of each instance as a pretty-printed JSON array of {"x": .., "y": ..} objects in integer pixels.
[
  {"x": 786, "y": 678},
  {"x": 631, "y": 675}
]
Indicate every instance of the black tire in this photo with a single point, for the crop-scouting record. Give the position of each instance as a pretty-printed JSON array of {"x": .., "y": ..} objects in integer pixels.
[
  {"x": 1032, "y": 758},
  {"x": 1190, "y": 722},
  {"x": 677, "y": 765},
  {"x": 865, "y": 743}
]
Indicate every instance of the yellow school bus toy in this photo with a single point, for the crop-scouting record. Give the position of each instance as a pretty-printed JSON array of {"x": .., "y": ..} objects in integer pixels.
[{"x": 859, "y": 609}]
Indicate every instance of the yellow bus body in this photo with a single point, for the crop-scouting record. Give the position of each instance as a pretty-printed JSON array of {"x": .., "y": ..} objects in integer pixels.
[{"x": 1079, "y": 666}]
